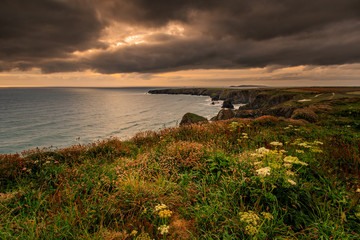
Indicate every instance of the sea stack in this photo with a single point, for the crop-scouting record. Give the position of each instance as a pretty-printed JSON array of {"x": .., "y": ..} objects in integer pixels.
[{"x": 227, "y": 104}]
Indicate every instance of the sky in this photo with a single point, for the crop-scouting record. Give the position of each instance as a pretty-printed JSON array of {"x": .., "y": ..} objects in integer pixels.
[{"x": 118, "y": 43}]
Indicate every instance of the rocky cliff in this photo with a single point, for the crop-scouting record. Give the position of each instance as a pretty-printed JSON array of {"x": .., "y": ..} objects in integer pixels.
[
  {"x": 253, "y": 98},
  {"x": 281, "y": 102}
]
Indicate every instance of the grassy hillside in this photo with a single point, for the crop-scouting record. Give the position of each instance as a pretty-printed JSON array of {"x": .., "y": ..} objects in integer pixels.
[{"x": 267, "y": 178}]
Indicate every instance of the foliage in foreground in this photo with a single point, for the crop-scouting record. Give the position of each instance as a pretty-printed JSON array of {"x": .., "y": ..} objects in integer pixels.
[{"x": 236, "y": 179}]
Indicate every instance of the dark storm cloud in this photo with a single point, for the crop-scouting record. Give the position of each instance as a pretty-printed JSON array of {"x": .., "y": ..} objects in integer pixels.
[
  {"x": 219, "y": 34},
  {"x": 322, "y": 48},
  {"x": 40, "y": 29},
  {"x": 261, "y": 19}
]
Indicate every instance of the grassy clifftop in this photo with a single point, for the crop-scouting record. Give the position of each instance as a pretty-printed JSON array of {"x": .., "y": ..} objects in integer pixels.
[{"x": 265, "y": 178}]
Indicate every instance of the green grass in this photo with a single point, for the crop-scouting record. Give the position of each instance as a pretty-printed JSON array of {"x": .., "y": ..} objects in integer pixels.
[{"x": 267, "y": 178}]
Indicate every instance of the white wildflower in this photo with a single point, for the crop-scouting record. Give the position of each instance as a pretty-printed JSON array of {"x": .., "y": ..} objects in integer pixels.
[
  {"x": 256, "y": 155},
  {"x": 160, "y": 207},
  {"x": 163, "y": 229},
  {"x": 276, "y": 144},
  {"x": 291, "y": 182},
  {"x": 304, "y": 144},
  {"x": 262, "y": 150},
  {"x": 263, "y": 171}
]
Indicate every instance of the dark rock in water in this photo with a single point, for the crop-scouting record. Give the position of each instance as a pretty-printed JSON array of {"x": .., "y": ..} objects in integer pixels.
[
  {"x": 190, "y": 118},
  {"x": 212, "y": 103},
  {"x": 227, "y": 104},
  {"x": 224, "y": 114},
  {"x": 214, "y": 96}
]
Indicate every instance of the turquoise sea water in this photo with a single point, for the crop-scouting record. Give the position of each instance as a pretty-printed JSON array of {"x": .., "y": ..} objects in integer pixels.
[{"x": 61, "y": 117}]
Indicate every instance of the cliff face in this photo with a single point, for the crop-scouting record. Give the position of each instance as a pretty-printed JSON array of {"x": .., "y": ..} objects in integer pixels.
[
  {"x": 187, "y": 91},
  {"x": 235, "y": 95},
  {"x": 279, "y": 111},
  {"x": 239, "y": 96},
  {"x": 259, "y": 102},
  {"x": 283, "y": 102},
  {"x": 253, "y": 98}
]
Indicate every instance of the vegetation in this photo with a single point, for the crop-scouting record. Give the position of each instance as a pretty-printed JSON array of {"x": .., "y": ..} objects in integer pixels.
[{"x": 267, "y": 178}]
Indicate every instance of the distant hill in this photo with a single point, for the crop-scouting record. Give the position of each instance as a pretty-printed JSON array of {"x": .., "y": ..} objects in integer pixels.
[{"x": 249, "y": 86}]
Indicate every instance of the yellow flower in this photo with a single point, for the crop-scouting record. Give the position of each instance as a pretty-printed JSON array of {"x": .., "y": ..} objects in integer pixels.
[
  {"x": 143, "y": 236},
  {"x": 267, "y": 216},
  {"x": 294, "y": 160},
  {"x": 165, "y": 213},
  {"x": 251, "y": 230},
  {"x": 316, "y": 150},
  {"x": 249, "y": 218},
  {"x": 287, "y": 165},
  {"x": 133, "y": 233},
  {"x": 275, "y": 165}
]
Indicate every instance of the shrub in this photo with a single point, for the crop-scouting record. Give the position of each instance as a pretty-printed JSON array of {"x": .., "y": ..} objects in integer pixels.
[{"x": 305, "y": 113}]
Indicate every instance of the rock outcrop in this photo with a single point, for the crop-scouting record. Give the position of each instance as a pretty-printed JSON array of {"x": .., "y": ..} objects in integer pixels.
[
  {"x": 253, "y": 98},
  {"x": 283, "y": 102},
  {"x": 190, "y": 118},
  {"x": 224, "y": 114},
  {"x": 227, "y": 104}
]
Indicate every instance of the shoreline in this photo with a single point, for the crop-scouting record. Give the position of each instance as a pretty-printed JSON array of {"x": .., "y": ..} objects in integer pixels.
[{"x": 278, "y": 107}]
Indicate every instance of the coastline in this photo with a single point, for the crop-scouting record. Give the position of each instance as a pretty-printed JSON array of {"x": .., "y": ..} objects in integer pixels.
[{"x": 289, "y": 174}]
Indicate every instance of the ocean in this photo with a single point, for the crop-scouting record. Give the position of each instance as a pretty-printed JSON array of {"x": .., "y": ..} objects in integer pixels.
[{"x": 60, "y": 117}]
